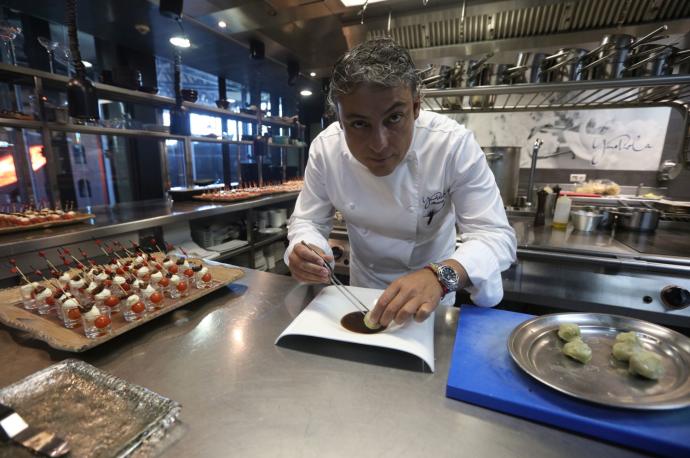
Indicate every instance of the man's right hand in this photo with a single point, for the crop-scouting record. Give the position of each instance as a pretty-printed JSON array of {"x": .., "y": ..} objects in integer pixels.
[{"x": 306, "y": 266}]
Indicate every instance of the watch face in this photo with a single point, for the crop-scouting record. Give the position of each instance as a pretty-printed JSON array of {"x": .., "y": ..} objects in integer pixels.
[{"x": 448, "y": 277}]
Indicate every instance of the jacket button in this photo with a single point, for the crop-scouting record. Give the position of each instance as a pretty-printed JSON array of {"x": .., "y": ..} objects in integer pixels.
[{"x": 411, "y": 208}]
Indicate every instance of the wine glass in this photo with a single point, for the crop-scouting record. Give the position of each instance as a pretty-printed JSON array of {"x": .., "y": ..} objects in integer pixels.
[
  {"x": 50, "y": 47},
  {"x": 64, "y": 56},
  {"x": 8, "y": 32}
]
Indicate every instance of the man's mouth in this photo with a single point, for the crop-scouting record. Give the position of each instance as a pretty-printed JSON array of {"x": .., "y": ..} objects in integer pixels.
[{"x": 381, "y": 160}]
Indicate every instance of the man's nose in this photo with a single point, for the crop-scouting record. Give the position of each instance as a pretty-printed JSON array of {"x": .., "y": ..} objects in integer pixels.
[{"x": 379, "y": 140}]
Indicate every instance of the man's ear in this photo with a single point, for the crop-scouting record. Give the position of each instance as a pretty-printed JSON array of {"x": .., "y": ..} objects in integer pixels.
[{"x": 416, "y": 105}]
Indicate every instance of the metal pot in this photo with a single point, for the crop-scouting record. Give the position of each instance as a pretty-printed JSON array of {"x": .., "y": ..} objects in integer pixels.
[
  {"x": 608, "y": 61},
  {"x": 481, "y": 73},
  {"x": 527, "y": 69},
  {"x": 456, "y": 78},
  {"x": 680, "y": 62},
  {"x": 585, "y": 221},
  {"x": 637, "y": 219},
  {"x": 566, "y": 65},
  {"x": 650, "y": 60},
  {"x": 504, "y": 162}
]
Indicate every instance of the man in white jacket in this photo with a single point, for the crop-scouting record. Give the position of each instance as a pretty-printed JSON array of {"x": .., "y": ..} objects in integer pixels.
[{"x": 403, "y": 179}]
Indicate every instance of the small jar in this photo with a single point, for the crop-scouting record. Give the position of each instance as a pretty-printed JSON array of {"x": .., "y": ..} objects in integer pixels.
[
  {"x": 133, "y": 308},
  {"x": 28, "y": 294},
  {"x": 71, "y": 316},
  {"x": 44, "y": 302},
  {"x": 97, "y": 322}
]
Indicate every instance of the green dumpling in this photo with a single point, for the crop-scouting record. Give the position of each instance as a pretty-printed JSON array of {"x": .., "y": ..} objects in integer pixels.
[
  {"x": 628, "y": 337},
  {"x": 622, "y": 351},
  {"x": 568, "y": 331},
  {"x": 646, "y": 364},
  {"x": 578, "y": 350}
]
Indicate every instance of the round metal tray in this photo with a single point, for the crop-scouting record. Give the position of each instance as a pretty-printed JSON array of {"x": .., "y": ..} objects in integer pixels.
[{"x": 536, "y": 348}]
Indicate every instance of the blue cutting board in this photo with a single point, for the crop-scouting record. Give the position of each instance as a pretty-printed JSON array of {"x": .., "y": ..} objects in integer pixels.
[{"x": 483, "y": 373}]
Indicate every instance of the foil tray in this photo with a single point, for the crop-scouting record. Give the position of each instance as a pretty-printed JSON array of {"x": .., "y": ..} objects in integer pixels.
[
  {"x": 98, "y": 414},
  {"x": 535, "y": 347}
]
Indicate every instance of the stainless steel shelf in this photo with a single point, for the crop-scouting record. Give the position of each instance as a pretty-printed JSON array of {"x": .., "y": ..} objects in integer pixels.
[
  {"x": 98, "y": 130},
  {"x": 225, "y": 255},
  {"x": 19, "y": 74},
  {"x": 673, "y": 90},
  {"x": 20, "y": 123},
  {"x": 124, "y": 218},
  {"x": 270, "y": 239},
  {"x": 276, "y": 145}
]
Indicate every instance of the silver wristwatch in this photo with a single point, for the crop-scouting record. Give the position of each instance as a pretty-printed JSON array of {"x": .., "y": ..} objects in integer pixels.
[{"x": 447, "y": 277}]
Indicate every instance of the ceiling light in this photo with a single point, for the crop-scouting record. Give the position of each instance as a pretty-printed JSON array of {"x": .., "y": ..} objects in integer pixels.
[
  {"x": 312, "y": 74},
  {"x": 232, "y": 100},
  {"x": 349, "y": 3},
  {"x": 222, "y": 24},
  {"x": 305, "y": 92},
  {"x": 87, "y": 64},
  {"x": 180, "y": 42}
]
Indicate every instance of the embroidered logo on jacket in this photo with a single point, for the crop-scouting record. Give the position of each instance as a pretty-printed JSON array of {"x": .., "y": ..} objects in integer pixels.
[{"x": 433, "y": 204}]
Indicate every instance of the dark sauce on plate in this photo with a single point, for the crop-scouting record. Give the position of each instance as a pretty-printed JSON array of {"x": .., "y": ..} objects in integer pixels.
[{"x": 355, "y": 322}]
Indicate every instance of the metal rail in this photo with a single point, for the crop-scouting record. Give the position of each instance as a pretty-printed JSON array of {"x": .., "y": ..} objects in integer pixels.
[{"x": 566, "y": 95}]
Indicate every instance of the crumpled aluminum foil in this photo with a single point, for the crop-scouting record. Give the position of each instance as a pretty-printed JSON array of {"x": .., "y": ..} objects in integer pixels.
[{"x": 99, "y": 414}]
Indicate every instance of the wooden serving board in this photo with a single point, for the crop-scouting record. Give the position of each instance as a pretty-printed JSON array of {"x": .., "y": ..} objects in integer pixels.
[
  {"x": 50, "y": 329},
  {"x": 60, "y": 222},
  {"x": 235, "y": 199}
]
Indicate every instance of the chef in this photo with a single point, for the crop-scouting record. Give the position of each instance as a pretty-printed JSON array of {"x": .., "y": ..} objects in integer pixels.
[{"x": 403, "y": 179}]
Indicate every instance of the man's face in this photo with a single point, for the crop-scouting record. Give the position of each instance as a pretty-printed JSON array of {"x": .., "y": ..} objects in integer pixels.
[{"x": 378, "y": 125}]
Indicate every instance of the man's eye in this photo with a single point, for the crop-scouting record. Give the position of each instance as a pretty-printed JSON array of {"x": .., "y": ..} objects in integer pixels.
[
  {"x": 358, "y": 124},
  {"x": 396, "y": 118}
]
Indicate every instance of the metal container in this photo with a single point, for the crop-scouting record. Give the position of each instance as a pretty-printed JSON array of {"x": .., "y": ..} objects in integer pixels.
[
  {"x": 585, "y": 221},
  {"x": 527, "y": 69},
  {"x": 504, "y": 162},
  {"x": 566, "y": 65},
  {"x": 638, "y": 219},
  {"x": 609, "y": 60},
  {"x": 650, "y": 60}
]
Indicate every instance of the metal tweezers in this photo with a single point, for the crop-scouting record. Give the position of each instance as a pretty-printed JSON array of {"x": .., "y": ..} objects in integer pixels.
[{"x": 339, "y": 285}]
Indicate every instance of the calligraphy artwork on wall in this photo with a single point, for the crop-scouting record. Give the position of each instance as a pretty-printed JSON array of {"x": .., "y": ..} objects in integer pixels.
[{"x": 620, "y": 139}]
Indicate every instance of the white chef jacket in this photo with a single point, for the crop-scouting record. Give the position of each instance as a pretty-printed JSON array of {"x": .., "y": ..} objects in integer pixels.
[{"x": 399, "y": 223}]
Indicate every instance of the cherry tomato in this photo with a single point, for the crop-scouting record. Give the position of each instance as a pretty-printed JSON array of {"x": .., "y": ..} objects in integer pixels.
[
  {"x": 159, "y": 266},
  {"x": 189, "y": 273},
  {"x": 156, "y": 297},
  {"x": 107, "y": 282},
  {"x": 50, "y": 300},
  {"x": 120, "y": 271},
  {"x": 126, "y": 286},
  {"x": 181, "y": 286},
  {"x": 173, "y": 269},
  {"x": 206, "y": 278},
  {"x": 74, "y": 314},
  {"x": 138, "y": 307},
  {"x": 108, "y": 271},
  {"x": 112, "y": 301},
  {"x": 101, "y": 322},
  {"x": 164, "y": 282}
]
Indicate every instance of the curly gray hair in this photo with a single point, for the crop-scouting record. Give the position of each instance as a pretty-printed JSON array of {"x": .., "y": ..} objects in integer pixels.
[{"x": 380, "y": 61}]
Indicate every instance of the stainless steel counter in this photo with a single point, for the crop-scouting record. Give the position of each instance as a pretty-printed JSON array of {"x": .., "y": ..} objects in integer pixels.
[
  {"x": 244, "y": 396},
  {"x": 125, "y": 218},
  {"x": 606, "y": 248}
]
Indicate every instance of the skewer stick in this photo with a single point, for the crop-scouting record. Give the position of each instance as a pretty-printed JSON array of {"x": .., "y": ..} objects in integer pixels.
[{"x": 15, "y": 269}]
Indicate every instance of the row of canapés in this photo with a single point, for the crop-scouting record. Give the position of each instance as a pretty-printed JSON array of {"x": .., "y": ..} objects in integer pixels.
[
  {"x": 133, "y": 284},
  {"x": 248, "y": 192},
  {"x": 26, "y": 216}
]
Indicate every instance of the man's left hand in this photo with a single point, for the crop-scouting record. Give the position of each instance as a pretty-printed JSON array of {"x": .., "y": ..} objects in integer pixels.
[{"x": 412, "y": 295}]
